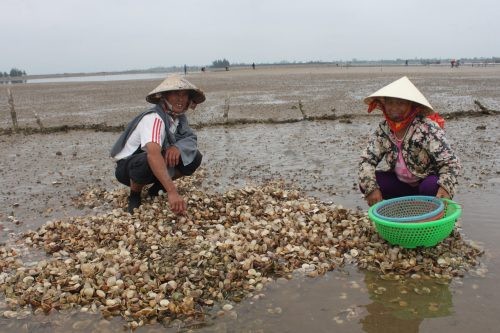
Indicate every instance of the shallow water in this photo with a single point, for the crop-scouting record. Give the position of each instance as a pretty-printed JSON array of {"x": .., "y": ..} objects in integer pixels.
[{"x": 99, "y": 78}]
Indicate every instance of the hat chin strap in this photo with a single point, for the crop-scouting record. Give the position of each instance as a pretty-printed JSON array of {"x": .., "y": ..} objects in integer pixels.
[{"x": 168, "y": 108}]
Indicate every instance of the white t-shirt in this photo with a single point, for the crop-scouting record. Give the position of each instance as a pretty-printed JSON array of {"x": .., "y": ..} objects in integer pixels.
[{"x": 150, "y": 129}]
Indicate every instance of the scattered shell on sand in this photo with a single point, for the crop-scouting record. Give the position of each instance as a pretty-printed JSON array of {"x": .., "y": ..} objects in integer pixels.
[{"x": 156, "y": 266}]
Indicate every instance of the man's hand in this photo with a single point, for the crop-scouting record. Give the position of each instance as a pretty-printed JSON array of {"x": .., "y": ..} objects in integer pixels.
[
  {"x": 177, "y": 203},
  {"x": 172, "y": 156},
  {"x": 442, "y": 193},
  {"x": 374, "y": 197},
  {"x": 157, "y": 164}
]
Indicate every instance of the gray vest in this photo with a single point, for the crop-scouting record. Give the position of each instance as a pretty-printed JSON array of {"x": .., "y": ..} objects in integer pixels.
[
  {"x": 122, "y": 140},
  {"x": 184, "y": 138}
]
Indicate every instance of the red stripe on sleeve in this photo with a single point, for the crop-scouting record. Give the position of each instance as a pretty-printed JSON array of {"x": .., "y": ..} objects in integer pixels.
[
  {"x": 153, "y": 131},
  {"x": 154, "y": 134},
  {"x": 158, "y": 134}
]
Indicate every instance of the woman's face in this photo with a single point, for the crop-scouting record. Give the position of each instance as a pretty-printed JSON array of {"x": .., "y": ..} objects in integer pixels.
[
  {"x": 396, "y": 109},
  {"x": 178, "y": 99}
]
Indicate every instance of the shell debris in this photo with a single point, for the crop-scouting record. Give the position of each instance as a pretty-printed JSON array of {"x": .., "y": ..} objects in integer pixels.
[{"x": 154, "y": 266}]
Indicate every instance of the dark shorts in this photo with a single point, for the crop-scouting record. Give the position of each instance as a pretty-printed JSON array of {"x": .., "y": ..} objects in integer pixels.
[
  {"x": 136, "y": 167},
  {"x": 392, "y": 187}
]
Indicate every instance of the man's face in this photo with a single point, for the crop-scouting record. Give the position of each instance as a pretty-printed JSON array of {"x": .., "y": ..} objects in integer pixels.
[{"x": 179, "y": 99}]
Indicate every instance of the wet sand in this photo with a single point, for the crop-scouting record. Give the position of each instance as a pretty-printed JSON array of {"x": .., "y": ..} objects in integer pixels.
[{"x": 42, "y": 172}]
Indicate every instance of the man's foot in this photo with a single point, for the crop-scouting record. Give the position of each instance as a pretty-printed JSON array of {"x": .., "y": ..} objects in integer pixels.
[
  {"x": 134, "y": 201},
  {"x": 154, "y": 190}
]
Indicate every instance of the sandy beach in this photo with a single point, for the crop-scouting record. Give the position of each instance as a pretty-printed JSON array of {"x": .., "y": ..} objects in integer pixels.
[{"x": 304, "y": 124}]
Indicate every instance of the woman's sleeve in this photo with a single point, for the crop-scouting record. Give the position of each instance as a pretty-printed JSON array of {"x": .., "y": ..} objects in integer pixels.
[
  {"x": 370, "y": 158},
  {"x": 447, "y": 163}
]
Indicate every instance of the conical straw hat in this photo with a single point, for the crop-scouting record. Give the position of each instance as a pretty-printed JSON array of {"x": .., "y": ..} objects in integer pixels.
[
  {"x": 176, "y": 82},
  {"x": 404, "y": 89}
]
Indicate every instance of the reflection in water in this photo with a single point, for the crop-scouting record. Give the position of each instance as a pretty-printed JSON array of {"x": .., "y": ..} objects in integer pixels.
[
  {"x": 400, "y": 306},
  {"x": 13, "y": 81},
  {"x": 89, "y": 78}
]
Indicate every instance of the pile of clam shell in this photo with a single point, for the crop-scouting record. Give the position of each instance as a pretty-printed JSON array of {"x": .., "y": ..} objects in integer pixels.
[{"x": 154, "y": 266}]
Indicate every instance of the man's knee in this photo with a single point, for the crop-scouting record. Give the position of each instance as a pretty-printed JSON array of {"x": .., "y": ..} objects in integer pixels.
[
  {"x": 121, "y": 172},
  {"x": 188, "y": 170},
  {"x": 139, "y": 170}
]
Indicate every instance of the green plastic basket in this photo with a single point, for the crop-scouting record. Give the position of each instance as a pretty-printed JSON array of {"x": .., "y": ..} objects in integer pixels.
[{"x": 411, "y": 235}]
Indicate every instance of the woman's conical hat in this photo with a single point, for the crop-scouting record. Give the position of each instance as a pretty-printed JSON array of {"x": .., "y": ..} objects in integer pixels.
[
  {"x": 404, "y": 89},
  {"x": 172, "y": 83}
]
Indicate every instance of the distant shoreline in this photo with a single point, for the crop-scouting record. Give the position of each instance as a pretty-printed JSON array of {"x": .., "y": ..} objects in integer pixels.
[{"x": 196, "y": 69}]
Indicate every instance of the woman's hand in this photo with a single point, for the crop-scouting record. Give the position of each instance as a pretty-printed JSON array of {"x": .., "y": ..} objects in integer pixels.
[
  {"x": 442, "y": 193},
  {"x": 374, "y": 197}
]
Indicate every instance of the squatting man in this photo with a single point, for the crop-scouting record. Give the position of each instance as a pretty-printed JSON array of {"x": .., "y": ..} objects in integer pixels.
[{"x": 158, "y": 146}]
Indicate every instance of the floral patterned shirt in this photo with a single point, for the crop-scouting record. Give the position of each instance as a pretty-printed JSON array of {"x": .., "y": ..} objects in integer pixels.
[{"x": 425, "y": 151}]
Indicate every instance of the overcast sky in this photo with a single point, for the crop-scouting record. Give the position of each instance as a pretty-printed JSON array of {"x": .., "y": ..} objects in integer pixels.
[{"x": 58, "y": 36}]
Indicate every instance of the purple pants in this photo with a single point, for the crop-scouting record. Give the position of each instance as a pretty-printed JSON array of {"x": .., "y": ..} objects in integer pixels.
[{"x": 392, "y": 187}]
